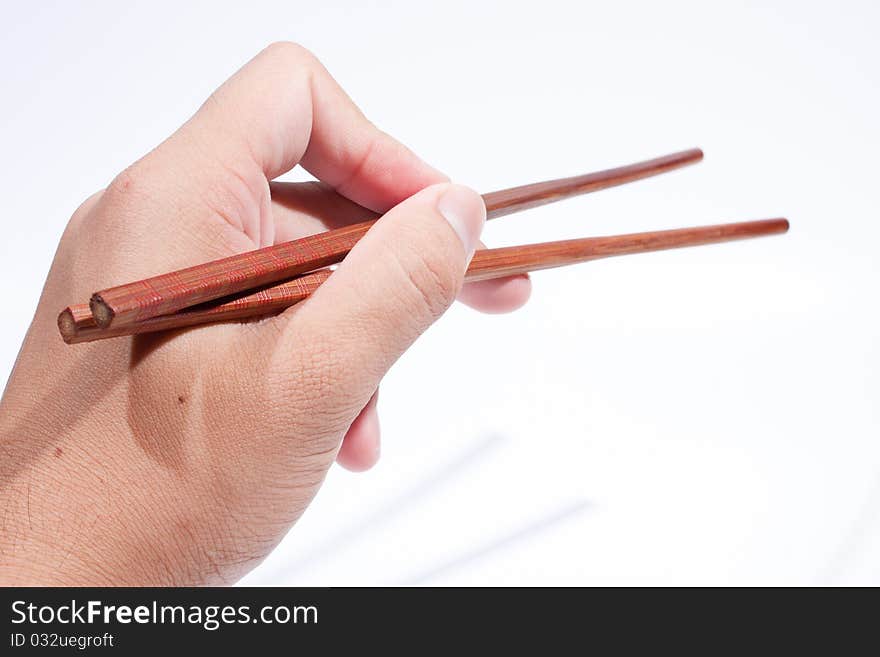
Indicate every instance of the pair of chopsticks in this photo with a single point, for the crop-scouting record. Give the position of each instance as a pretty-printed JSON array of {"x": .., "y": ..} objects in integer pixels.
[{"x": 268, "y": 280}]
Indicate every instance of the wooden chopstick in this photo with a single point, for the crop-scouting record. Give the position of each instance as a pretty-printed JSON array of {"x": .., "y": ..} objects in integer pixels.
[
  {"x": 167, "y": 293},
  {"x": 77, "y": 324}
]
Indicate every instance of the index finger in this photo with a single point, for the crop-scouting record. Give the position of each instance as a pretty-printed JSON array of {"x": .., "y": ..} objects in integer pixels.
[{"x": 283, "y": 108}]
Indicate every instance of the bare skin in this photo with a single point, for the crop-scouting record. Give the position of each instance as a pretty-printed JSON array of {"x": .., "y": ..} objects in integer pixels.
[{"x": 184, "y": 458}]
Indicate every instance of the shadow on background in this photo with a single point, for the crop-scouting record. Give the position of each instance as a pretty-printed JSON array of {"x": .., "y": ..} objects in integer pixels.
[
  {"x": 503, "y": 542},
  {"x": 855, "y": 546},
  {"x": 426, "y": 485}
]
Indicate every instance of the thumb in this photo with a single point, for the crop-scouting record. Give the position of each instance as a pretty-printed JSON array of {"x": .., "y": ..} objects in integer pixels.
[{"x": 401, "y": 276}]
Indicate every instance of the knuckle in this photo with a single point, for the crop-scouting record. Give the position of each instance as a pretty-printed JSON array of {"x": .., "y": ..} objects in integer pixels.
[
  {"x": 128, "y": 187},
  {"x": 122, "y": 216},
  {"x": 79, "y": 219},
  {"x": 125, "y": 182},
  {"x": 290, "y": 53}
]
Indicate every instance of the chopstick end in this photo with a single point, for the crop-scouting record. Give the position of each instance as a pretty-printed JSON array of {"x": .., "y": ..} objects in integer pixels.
[{"x": 102, "y": 313}]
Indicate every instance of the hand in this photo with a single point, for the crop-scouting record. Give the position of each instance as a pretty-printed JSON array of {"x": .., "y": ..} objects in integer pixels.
[{"x": 184, "y": 458}]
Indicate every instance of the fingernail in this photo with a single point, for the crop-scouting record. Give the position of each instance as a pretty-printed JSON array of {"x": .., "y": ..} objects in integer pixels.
[{"x": 465, "y": 211}]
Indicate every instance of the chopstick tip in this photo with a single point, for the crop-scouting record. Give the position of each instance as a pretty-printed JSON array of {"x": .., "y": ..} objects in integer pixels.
[{"x": 782, "y": 223}]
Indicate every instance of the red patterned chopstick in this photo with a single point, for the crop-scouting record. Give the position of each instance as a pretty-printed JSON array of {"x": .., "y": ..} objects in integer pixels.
[
  {"x": 168, "y": 293},
  {"x": 76, "y": 323}
]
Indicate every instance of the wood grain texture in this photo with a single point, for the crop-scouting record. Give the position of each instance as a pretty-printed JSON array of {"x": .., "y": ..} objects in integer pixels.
[
  {"x": 517, "y": 199},
  {"x": 495, "y": 263},
  {"x": 168, "y": 293},
  {"x": 76, "y": 323}
]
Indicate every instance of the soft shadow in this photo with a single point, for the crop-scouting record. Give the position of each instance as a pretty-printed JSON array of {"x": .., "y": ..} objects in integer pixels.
[
  {"x": 38, "y": 429},
  {"x": 388, "y": 511},
  {"x": 301, "y": 209},
  {"x": 158, "y": 416},
  {"x": 855, "y": 541},
  {"x": 502, "y": 543}
]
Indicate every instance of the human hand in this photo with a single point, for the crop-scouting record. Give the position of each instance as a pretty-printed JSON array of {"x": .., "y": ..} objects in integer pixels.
[{"x": 184, "y": 458}]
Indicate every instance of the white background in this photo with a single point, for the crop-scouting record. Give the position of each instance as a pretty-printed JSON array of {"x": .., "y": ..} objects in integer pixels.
[{"x": 692, "y": 417}]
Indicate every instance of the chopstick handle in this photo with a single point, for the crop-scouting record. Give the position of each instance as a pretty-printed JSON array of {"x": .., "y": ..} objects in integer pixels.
[
  {"x": 168, "y": 293},
  {"x": 77, "y": 325}
]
